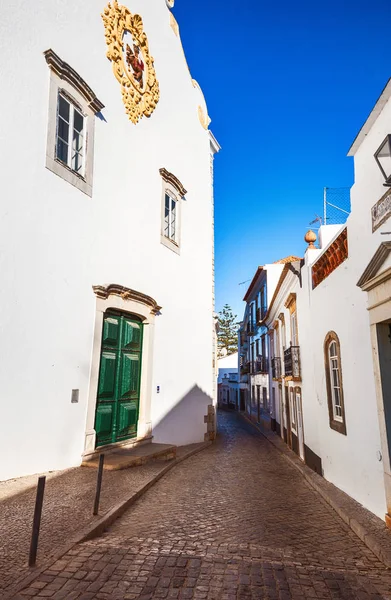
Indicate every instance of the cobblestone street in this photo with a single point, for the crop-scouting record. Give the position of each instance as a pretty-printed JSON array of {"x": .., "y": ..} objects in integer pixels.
[{"x": 235, "y": 521}]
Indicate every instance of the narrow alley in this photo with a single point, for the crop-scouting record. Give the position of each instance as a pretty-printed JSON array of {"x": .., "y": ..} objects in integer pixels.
[{"x": 235, "y": 521}]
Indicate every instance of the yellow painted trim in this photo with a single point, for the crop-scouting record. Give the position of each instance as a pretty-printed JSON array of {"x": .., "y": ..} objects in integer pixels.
[
  {"x": 174, "y": 24},
  {"x": 291, "y": 302}
]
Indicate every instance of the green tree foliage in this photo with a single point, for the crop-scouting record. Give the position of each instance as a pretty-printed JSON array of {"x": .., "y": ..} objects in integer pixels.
[{"x": 227, "y": 336}]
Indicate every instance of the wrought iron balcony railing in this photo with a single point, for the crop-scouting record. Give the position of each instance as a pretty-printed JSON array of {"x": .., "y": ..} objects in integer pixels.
[
  {"x": 261, "y": 365},
  {"x": 244, "y": 369},
  {"x": 276, "y": 367},
  {"x": 292, "y": 361}
]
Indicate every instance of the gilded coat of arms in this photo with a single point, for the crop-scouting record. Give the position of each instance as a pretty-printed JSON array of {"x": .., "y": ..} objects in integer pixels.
[{"x": 132, "y": 63}]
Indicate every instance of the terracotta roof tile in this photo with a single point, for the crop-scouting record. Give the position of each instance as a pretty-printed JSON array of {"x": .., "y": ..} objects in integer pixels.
[{"x": 287, "y": 259}]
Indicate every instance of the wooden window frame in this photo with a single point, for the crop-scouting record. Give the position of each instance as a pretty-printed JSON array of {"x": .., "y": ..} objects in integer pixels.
[{"x": 338, "y": 425}]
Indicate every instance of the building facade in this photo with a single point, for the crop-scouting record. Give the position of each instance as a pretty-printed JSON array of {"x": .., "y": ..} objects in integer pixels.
[
  {"x": 253, "y": 344},
  {"x": 228, "y": 381},
  {"x": 228, "y": 391},
  {"x": 107, "y": 190},
  {"x": 329, "y": 326}
]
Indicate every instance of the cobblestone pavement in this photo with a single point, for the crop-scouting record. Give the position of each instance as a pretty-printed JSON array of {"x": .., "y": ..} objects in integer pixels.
[
  {"x": 234, "y": 522},
  {"x": 67, "y": 508}
]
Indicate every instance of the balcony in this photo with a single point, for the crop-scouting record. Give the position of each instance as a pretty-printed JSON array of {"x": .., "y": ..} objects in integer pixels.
[
  {"x": 244, "y": 369},
  {"x": 250, "y": 329},
  {"x": 292, "y": 362},
  {"x": 261, "y": 365},
  {"x": 261, "y": 313},
  {"x": 276, "y": 367}
]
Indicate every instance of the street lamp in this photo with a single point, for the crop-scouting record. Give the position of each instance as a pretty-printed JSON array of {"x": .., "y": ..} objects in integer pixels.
[{"x": 383, "y": 159}]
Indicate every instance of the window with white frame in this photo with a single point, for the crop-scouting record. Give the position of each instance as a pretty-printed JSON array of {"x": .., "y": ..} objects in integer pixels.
[
  {"x": 173, "y": 195},
  {"x": 335, "y": 381},
  {"x": 277, "y": 347},
  {"x": 170, "y": 215},
  {"x": 293, "y": 409},
  {"x": 70, "y": 135},
  {"x": 333, "y": 369},
  {"x": 71, "y": 124},
  {"x": 294, "y": 337},
  {"x": 271, "y": 338}
]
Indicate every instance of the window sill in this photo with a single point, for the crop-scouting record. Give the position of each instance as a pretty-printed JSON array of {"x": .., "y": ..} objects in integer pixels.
[
  {"x": 68, "y": 168},
  {"x": 169, "y": 244},
  {"x": 338, "y": 426},
  {"x": 59, "y": 168}
]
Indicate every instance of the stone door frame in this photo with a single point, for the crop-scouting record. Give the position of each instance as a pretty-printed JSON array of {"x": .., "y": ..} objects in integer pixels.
[{"x": 129, "y": 301}]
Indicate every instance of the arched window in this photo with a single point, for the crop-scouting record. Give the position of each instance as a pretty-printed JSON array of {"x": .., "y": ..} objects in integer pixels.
[{"x": 332, "y": 357}]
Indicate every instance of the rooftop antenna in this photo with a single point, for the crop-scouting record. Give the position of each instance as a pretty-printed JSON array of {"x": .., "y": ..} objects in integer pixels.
[{"x": 317, "y": 220}]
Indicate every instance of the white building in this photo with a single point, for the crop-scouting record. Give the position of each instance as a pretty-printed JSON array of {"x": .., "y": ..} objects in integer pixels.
[
  {"x": 226, "y": 365},
  {"x": 228, "y": 391},
  {"x": 107, "y": 222},
  {"x": 332, "y": 387},
  {"x": 285, "y": 372},
  {"x": 228, "y": 381}
]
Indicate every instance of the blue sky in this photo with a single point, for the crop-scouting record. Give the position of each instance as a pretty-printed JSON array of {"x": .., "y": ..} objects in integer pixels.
[{"x": 288, "y": 86}]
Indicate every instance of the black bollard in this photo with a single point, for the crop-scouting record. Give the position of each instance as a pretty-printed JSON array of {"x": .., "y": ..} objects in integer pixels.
[
  {"x": 37, "y": 521},
  {"x": 98, "y": 484}
]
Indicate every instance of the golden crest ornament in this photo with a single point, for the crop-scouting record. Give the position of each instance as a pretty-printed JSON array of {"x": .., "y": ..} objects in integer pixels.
[{"x": 132, "y": 63}]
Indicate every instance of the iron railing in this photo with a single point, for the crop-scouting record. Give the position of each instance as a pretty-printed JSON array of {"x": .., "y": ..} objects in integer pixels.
[
  {"x": 292, "y": 361},
  {"x": 261, "y": 364},
  {"x": 244, "y": 369}
]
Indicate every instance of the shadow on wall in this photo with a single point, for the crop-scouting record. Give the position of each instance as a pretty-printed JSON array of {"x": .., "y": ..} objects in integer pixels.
[{"x": 185, "y": 423}]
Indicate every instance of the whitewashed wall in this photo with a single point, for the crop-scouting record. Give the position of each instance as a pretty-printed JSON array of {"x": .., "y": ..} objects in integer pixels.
[
  {"x": 56, "y": 242},
  {"x": 226, "y": 365},
  {"x": 351, "y": 462}
]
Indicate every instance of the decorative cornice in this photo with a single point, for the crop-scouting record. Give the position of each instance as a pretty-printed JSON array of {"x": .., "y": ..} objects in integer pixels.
[
  {"x": 104, "y": 291},
  {"x": 374, "y": 265},
  {"x": 174, "y": 181},
  {"x": 281, "y": 317},
  {"x": 65, "y": 72},
  {"x": 290, "y": 300}
]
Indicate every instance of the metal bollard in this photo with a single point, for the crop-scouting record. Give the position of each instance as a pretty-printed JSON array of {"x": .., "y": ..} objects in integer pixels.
[
  {"x": 98, "y": 484},
  {"x": 37, "y": 521}
]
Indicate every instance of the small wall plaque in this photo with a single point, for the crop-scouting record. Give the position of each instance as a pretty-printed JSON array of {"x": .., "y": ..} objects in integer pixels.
[
  {"x": 381, "y": 211},
  {"x": 75, "y": 396}
]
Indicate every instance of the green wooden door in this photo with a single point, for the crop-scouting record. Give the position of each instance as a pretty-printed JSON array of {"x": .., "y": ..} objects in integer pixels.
[{"x": 118, "y": 396}]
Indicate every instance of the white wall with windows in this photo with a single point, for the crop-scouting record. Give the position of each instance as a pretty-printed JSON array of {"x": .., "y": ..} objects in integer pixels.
[
  {"x": 82, "y": 206},
  {"x": 339, "y": 421},
  {"x": 338, "y": 348}
]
